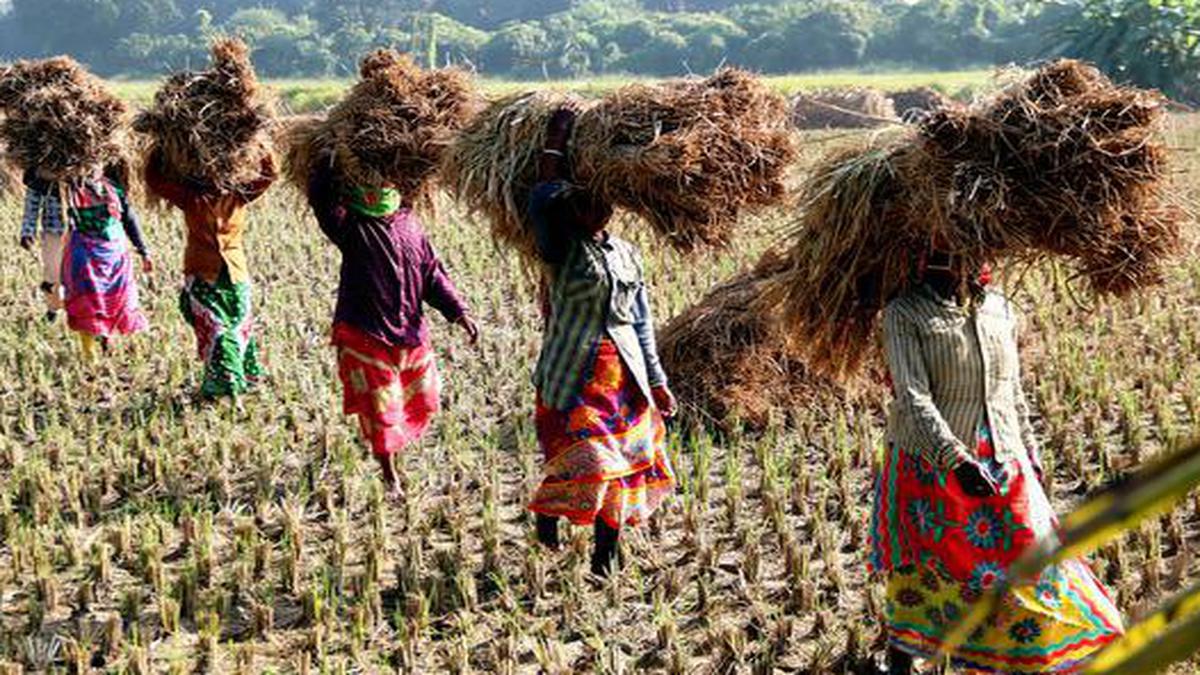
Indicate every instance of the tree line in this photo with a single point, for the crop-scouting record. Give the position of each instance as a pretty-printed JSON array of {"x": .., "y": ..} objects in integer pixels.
[{"x": 1151, "y": 41}]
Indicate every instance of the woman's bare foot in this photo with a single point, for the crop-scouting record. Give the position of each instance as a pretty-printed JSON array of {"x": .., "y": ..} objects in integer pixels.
[
  {"x": 392, "y": 485},
  {"x": 393, "y": 491}
]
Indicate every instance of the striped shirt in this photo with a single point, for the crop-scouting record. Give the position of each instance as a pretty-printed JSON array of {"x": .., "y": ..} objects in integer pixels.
[
  {"x": 598, "y": 291},
  {"x": 954, "y": 369},
  {"x": 42, "y": 206}
]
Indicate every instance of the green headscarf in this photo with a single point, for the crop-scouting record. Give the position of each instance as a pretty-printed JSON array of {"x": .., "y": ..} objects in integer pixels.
[{"x": 374, "y": 201}]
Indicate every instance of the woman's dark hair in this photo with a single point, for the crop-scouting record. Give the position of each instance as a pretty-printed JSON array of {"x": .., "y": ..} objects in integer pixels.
[
  {"x": 571, "y": 214},
  {"x": 575, "y": 206}
]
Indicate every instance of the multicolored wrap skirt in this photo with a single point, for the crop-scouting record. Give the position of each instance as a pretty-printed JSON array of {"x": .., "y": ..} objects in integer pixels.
[
  {"x": 101, "y": 294},
  {"x": 942, "y": 548},
  {"x": 394, "y": 391},
  {"x": 605, "y": 456},
  {"x": 219, "y": 314}
]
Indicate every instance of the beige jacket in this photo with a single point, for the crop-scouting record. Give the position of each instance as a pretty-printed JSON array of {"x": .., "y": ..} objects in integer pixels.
[{"x": 953, "y": 370}]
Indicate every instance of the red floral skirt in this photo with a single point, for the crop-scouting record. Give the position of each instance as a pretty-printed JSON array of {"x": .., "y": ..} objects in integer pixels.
[
  {"x": 605, "y": 456},
  {"x": 394, "y": 391},
  {"x": 942, "y": 548}
]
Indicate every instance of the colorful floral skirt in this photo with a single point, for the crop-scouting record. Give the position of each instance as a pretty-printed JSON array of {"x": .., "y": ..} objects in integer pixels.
[
  {"x": 605, "y": 456},
  {"x": 942, "y": 548},
  {"x": 101, "y": 294},
  {"x": 220, "y": 316},
  {"x": 394, "y": 391}
]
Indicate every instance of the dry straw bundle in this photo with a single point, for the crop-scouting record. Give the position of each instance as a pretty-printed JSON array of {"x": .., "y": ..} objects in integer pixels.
[
  {"x": 729, "y": 364},
  {"x": 1060, "y": 163},
  {"x": 212, "y": 125},
  {"x": 688, "y": 156},
  {"x": 851, "y": 108},
  {"x": 58, "y": 119},
  {"x": 391, "y": 128},
  {"x": 492, "y": 166}
]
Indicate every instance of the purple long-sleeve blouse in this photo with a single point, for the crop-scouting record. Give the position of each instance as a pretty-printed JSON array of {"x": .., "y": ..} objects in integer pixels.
[{"x": 388, "y": 269}]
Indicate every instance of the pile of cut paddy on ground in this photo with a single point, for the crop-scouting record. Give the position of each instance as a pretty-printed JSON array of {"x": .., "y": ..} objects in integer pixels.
[
  {"x": 58, "y": 119},
  {"x": 1061, "y": 163},
  {"x": 914, "y": 103},
  {"x": 689, "y": 157},
  {"x": 848, "y": 108},
  {"x": 729, "y": 365},
  {"x": 391, "y": 128},
  {"x": 212, "y": 125}
]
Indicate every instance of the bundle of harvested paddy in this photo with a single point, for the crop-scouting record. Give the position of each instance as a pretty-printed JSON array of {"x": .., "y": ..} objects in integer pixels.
[
  {"x": 299, "y": 138},
  {"x": 912, "y": 104},
  {"x": 59, "y": 119},
  {"x": 850, "y": 108},
  {"x": 22, "y": 77},
  {"x": 211, "y": 125},
  {"x": 492, "y": 165},
  {"x": 688, "y": 156},
  {"x": 729, "y": 364},
  {"x": 1062, "y": 163},
  {"x": 391, "y": 128}
]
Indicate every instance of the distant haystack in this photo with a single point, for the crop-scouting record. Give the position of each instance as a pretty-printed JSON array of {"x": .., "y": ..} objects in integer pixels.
[
  {"x": 731, "y": 367},
  {"x": 912, "y": 104},
  {"x": 854, "y": 108}
]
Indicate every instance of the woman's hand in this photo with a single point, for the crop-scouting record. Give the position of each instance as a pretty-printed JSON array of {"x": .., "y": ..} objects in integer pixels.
[
  {"x": 975, "y": 480},
  {"x": 27, "y": 243},
  {"x": 552, "y": 164},
  {"x": 147, "y": 265},
  {"x": 664, "y": 400},
  {"x": 472, "y": 329}
]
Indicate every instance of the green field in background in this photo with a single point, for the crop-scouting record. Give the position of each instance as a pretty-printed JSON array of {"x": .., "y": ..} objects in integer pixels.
[{"x": 307, "y": 95}]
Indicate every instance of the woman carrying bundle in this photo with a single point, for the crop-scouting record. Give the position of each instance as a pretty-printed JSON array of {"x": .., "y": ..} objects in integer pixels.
[
  {"x": 389, "y": 269},
  {"x": 958, "y": 497},
  {"x": 101, "y": 295},
  {"x": 43, "y": 206},
  {"x": 216, "y": 293},
  {"x": 602, "y": 392}
]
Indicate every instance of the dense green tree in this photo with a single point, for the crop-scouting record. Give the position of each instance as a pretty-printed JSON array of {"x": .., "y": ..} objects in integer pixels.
[
  {"x": 86, "y": 28},
  {"x": 160, "y": 53},
  {"x": 1153, "y": 43},
  {"x": 804, "y": 36},
  {"x": 1150, "y": 41},
  {"x": 664, "y": 53},
  {"x": 458, "y": 42},
  {"x": 283, "y": 45},
  {"x": 494, "y": 13},
  {"x": 519, "y": 48},
  {"x": 951, "y": 32},
  {"x": 370, "y": 14}
]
